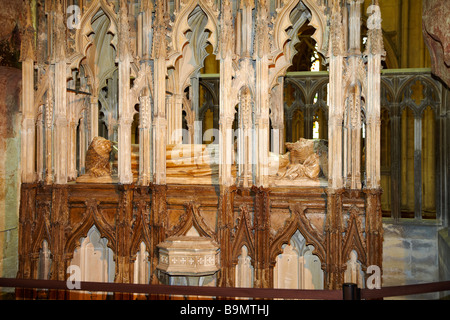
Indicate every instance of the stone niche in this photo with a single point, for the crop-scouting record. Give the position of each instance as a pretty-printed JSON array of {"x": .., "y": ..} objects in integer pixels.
[{"x": 188, "y": 260}]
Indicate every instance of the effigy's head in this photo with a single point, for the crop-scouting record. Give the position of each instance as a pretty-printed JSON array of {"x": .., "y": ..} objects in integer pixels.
[
  {"x": 97, "y": 157},
  {"x": 101, "y": 146}
]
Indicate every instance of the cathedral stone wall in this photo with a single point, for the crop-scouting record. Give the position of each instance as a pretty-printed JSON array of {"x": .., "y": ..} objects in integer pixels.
[
  {"x": 10, "y": 82},
  {"x": 410, "y": 256}
]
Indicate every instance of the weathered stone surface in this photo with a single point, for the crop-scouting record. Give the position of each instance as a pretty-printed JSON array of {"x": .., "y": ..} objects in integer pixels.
[
  {"x": 436, "y": 23},
  {"x": 410, "y": 256},
  {"x": 11, "y": 15},
  {"x": 10, "y": 83}
]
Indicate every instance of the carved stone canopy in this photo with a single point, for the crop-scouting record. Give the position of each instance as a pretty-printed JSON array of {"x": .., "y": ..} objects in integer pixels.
[{"x": 188, "y": 256}]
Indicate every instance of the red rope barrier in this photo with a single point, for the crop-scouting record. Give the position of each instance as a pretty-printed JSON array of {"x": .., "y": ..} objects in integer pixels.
[
  {"x": 225, "y": 291},
  {"x": 177, "y": 290}
]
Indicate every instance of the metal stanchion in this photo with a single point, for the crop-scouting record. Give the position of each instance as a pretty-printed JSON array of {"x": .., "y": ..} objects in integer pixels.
[{"x": 350, "y": 291}]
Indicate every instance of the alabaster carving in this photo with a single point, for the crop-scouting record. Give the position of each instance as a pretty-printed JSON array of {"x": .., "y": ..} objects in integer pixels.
[
  {"x": 307, "y": 159},
  {"x": 98, "y": 167}
]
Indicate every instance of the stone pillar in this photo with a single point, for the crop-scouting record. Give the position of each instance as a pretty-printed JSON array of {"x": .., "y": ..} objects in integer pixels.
[
  {"x": 72, "y": 157},
  {"x": 83, "y": 143},
  {"x": 60, "y": 124},
  {"x": 48, "y": 163},
  {"x": 28, "y": 121},
  {"x": 145, "y": 141},
  {"x": 175, "y": 120},
  {"x": 246, "y": 139},
  {"x": 195, "y": 100},
  {"x": 417, "y": 167},
  {"x": 226, "y": 107},
  {"x": 40, "y": 125},
  {"x": 336, "y": 108},
  {"x": 374, "y": 53},
  {"x": 159, "y": 105},
  {"x": 225, "y": 124},
  {"x": 125, "y": 108},
  {"x": 395, "y": 162},
  {"x": 277, "y": 103},
  {"x": 262, "y": 49},
  {"x": 93, "y": 118}
]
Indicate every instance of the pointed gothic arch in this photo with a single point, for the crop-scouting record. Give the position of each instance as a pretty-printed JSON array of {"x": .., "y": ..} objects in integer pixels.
[
  {"x": 92, "y": 217},
  {"x": 181, "y": 26},
  {"x": 298, "y": 222}
]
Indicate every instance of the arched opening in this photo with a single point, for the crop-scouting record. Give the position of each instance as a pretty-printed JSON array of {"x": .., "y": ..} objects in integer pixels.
[
  {"x": 94, "y": 261},
  {"x": 244, "y": 270},
  {"x": 297, "y": 267},
  {"x": 307, "y": 57}
]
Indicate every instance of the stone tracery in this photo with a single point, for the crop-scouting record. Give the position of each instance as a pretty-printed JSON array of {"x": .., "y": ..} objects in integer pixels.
[{"x": 154, "y": 68}]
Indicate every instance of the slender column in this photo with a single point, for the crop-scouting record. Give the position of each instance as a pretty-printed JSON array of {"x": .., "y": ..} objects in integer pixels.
[
  {"x": 28, "y": 124},
  {"x": 374, "y": 53},
  {"x": 176, "y": 118},
  {"x": 72, "y": 170},
  {"x": 61, "y": 124},
  {"x": 262, "y": 94},
  {"x": 395, "y": 162},
  {"x": 40, "y": 146},
  {"x": 225, "y": 124},
  {"x": 417, "y": 167},
  {"x": 93, "y": 118},
  {"x": 145, "y": 141},
  {"x": 308, "y": 121},
  {"x": 245, "y": 139},
  {"x": 336, "y": 103},
  {"x": 48, "y": 137},
  {"x": 125, "y": 109},
  {"x": 82, "y": 146},
  {"x": 28, "y": 121},
  {"x": 334, "y": 220},
  {"x": 277, "y": 102},
  {"x": 194, "y": 94},
  {"x": 355, "y": 26},
  {"x": 60, "y": 142},
  {"x": 159, "y": 113}
]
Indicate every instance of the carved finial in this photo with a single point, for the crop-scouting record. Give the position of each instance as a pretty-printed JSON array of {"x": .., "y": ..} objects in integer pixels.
[
  {"x": 27, "y": 46},
  {"x": 227, "y": 34},
  {"x": 124, "y": 31},
  {"x": 374, "y": 35},
  {"x": 262, "y": 43},
  {"x": 160, "y": 29},
  {"x": 60, "y": 33}
]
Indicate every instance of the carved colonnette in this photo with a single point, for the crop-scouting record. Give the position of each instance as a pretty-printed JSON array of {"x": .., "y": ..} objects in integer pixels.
[{"x": 248, "y": 209}]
